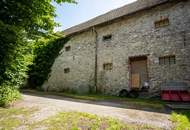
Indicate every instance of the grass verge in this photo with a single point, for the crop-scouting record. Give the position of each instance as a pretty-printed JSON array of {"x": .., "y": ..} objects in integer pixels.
[
  {"x": 11, "y": 118},
  {"x": 84, "y": 121},
  {"x": 181, "y": 119},
  {"x": 137, "y": 102}
]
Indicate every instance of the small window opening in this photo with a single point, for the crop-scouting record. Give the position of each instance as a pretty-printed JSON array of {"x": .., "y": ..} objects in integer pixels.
[
  {"x": 67, "y": 48},
  {"x": 107, "y": 37},
  {"x": 66, "y": 70},
  {"x": 108, "y": 66},
  {"x": 167, "y": 60},
  {"x": 161, "y": 23}
]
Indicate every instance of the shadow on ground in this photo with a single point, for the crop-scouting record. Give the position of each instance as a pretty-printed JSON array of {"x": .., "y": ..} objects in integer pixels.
[{"x": 104, "y": 102}]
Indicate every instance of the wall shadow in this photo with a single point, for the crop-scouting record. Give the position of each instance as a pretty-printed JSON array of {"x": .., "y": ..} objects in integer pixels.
[{"x": 104, "y": 102}]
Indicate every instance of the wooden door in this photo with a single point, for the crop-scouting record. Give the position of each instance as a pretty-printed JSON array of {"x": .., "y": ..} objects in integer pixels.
[{"x": 138, "y": 72}]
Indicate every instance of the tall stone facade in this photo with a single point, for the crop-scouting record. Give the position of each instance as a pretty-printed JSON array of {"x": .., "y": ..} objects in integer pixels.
[{"x": 80, "y": 66}]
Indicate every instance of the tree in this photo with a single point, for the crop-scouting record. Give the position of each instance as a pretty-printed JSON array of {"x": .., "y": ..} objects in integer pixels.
[
  {"x": 22, "y": 22},
  {"x": 34, "y": 16}
]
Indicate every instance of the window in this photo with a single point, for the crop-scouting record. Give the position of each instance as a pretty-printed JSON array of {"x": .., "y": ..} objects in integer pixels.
[
  {"x": 161, "y": 23},
  {"x": 66, "y": 70},
  {"x": 67, "y": 48},
  {"x": 108, "y": 66},
  {"x": 167, "y": 60},
  {"x": 107, "y": 37}
]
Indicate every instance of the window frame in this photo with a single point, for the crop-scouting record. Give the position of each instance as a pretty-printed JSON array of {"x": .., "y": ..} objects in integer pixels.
[
  {"x": 167, "y": 60},
  {"x": 162, "y": 23},
  {"x": 66, "y": 70},
  {"x": 107, "y": 37},
  {"x": 68, "y": 48}
]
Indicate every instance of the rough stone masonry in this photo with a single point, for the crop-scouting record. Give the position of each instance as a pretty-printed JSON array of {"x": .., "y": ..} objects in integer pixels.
[{"x": 107, "y": 53}]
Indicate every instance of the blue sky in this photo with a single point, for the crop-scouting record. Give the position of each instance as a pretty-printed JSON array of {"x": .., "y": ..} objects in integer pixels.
[{"x": 73, "y": 14}]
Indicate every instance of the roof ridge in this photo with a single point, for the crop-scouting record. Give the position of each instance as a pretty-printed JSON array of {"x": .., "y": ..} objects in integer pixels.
[{"x": 114, "y": 14}]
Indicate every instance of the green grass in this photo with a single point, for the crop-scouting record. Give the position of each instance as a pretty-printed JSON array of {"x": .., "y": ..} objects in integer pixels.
[
  {"x": 84, "y": 121},
  {"x": 181, "y": 120},
  {"x": 135, "y": 102},
  {"x": 20, "y": 117},
  {"x": 12, "y": 117},
  {"x": 148, "y": 103}
]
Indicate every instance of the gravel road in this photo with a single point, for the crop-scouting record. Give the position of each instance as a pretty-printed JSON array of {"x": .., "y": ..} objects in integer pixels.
[{"x": 50, "y": 105}]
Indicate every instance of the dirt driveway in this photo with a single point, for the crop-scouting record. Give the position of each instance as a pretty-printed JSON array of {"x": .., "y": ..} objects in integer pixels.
[{"x": 50, "y": 105}]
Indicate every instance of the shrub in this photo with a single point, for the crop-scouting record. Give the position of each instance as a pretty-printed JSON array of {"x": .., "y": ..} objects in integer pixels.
[
  {"x": 181, "y": 119},
  {"x": 8, "y": 94},
  {"x": 16, "y": 55}
]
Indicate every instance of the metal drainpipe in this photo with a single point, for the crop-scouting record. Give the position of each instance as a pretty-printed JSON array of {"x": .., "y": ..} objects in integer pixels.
[{"x": 96, "y": 59}]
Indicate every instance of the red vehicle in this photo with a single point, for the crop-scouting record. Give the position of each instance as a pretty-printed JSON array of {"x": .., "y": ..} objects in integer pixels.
[{"x": 175, "y": 91}]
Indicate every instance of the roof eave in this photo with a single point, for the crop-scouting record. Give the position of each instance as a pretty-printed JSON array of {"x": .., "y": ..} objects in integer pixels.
[{"x": 116, "y": 18}]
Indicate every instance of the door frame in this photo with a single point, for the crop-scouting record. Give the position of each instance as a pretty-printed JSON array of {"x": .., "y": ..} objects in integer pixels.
[{"x": 136, "y": 58}]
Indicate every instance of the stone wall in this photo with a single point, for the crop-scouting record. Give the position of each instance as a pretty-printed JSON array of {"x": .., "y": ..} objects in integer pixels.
[
  {"x": 133, "y": 35},
  {"x": 80, "y": 61}
]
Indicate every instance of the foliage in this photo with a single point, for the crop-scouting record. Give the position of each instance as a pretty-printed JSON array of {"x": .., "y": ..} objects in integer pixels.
[
  {"x": 22, "y": 22},
  {"x": 15, "y": 55},
  {"x": 8, "y": 94},
  {"x": 45, "y": 51},
  {"x": 34, "y": 16},
  {"x": 181, "y": 119}
]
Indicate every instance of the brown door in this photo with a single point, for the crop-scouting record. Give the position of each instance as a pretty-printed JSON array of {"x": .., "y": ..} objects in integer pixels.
[{"x": 138, "y": 72}]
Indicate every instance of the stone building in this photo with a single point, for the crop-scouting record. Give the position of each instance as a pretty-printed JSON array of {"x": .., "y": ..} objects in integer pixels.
[{"x": 144, "y": 43}]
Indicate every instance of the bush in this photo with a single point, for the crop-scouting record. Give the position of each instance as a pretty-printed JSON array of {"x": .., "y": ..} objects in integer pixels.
[
  {"x": 8, "y": 94},
  {"x": 181, "y": 119},
  {"x": 23, "y": 58},
  {"x": 16, "y": 55}
]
